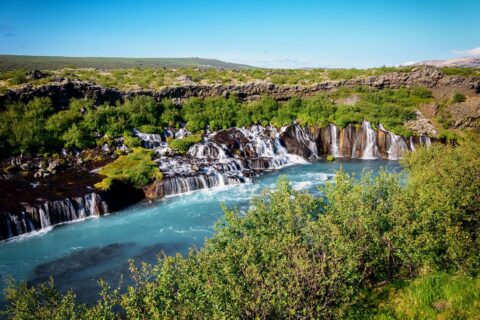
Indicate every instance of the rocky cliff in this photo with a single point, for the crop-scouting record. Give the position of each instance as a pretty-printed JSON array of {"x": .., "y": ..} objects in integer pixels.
[{"x": 62, "y": 90}]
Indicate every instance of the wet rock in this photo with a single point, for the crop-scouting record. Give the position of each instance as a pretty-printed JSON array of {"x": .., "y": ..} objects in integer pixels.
[{"x": 298, "y": 142}]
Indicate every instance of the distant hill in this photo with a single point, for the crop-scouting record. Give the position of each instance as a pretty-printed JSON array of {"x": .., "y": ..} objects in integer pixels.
[
  {"x": 457, "y": 62},
  {"x": 11, "y": 62}
]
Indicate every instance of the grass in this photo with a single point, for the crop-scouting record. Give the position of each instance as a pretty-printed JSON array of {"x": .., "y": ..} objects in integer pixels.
[
  {"x": 432, "y": 296},
  {"x": 181, "y": 146},
  {"x": 136, "y": 168},
  {"x": 462, "y": 71}
]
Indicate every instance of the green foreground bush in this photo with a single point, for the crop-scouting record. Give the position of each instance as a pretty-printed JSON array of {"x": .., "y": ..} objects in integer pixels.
[{"x": 293, "y": 255}]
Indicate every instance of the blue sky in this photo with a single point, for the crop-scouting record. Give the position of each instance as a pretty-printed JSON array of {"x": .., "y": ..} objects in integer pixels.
[{"x": 277, "y": 33}]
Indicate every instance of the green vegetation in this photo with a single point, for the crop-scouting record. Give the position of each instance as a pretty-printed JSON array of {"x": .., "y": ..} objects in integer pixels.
[
  {"x": 36, "y": 127},
  {"x": 458, "y": 97},
  {"x": 128, "y": 74},
  {"x": 15, "y": 76},
  {"x": 432, "y": 296},
  {"x": 292, "y": 255},
  {"x": 136, "y": 169},
  {"x": 462, "y": 71},
  {"x": 156, "y": 78},
  {"x": 182, "y": 145}
]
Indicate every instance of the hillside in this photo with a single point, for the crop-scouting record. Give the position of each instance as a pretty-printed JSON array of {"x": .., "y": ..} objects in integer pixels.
[
  {"x": 12, "y": 62},
  {"x": 469, "y": 62}
]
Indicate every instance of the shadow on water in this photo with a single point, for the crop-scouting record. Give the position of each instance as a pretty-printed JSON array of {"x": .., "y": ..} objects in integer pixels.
[{"x": 82, "y": 269}]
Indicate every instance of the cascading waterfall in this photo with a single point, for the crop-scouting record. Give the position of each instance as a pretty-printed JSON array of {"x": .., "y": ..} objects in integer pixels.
[
  {"x": 210, "y": 164},
  {"x": 425, "y": 141},
  {"x": 242, "y": 153},
  {"x": 370, "y": 149},
  {"x": 51, "y": 213},
  {"x": 334, "y": 149},
  {"x": 226, "y": 157},
  {"x": 412, "y": 145},
  {"x": 396, "y": 144}
]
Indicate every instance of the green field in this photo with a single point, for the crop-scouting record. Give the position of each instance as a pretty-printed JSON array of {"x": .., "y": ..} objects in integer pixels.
[{"x": 12, "y": 62}]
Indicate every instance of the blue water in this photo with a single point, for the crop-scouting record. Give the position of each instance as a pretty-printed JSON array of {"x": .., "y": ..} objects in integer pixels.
[{"x": 78, "y": 254}]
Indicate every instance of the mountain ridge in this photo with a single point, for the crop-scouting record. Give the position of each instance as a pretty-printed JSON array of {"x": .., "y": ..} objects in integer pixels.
[
  {"x": 471, "y": 62},
  {"x": 11, "y": 62}
]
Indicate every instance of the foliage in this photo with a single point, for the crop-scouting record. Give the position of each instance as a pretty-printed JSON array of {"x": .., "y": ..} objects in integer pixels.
[
  {"x": 432, "y": 296},
  {"x": 131, "y": 141},
  {"x": 461, "y": 71},
  {"x": 22, "y": 127},
  {"x": 14, "y": 77},
  {"x": 136, "y": 168},
  {"x": 296, "y": 256},
  {"x": 37, "y": 127},
  {"x": 458, "y": 97},
  {"x": 182, "y": 145}
]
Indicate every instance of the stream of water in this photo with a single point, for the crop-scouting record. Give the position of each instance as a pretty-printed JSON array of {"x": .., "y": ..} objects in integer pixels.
[{"x": 78, "y": 254}]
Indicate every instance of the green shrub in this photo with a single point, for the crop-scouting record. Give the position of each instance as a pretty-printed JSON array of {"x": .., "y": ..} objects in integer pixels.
[
  {"x": 148, "y": 128},
  {"x": 14, "y": 77},
  {"x": 458, "y": 97},
  {"x": 182, "y": 145},
  {"x": 131, "y": 141},
  {"x": 136, "y": 168}
]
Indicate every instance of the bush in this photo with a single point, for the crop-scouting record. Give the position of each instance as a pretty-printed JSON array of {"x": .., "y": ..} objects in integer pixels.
[
  {"x": 182, "y": 145},
  {"x": 136, "y": 169},
  {"x": 147, "y": 128},
  {"x": 131, "y": 141},
  {"x": 458, "y": 97}
]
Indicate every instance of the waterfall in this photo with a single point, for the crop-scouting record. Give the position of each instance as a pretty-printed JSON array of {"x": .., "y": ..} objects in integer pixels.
[
  {"x": 207, "y": 149},
  {"x": 369, "y": 152},
  {"x": 334, "y": 150},
  {"x": 44, "y": 218},
  {"x": 51, "y": 213},
  {"x": 367, "y": 140},
  {"x": 396, "y": 144},
  {"x": 211, "y": 163},
  {"x": 425, "y": 141},
  {"x": 412, "y": 145},
  {"x": 152, "y": 141},
  {"x": 183, "y": 184}
]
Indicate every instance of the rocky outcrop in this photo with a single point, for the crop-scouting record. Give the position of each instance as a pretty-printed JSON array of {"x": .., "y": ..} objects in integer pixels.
[
  {"x": 465, "y": 114},
  {"x": 421, "y": 125},
  {"x": 62, "y": 90}
]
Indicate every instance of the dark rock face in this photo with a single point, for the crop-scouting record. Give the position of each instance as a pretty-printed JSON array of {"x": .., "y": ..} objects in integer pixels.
[
  {"x": 298, "y": 142},
  {"x": 61, "y": 92},
  {"x": 233, "y": 139}
]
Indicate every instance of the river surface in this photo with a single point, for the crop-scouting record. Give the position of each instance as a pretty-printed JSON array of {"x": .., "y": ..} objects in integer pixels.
[{"x": 79, "y": 253}]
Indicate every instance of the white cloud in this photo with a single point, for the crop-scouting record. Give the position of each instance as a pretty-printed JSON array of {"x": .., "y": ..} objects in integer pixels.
[
  {"x": 475, "y": 52},
  {"x": 408, "y": 63}
]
